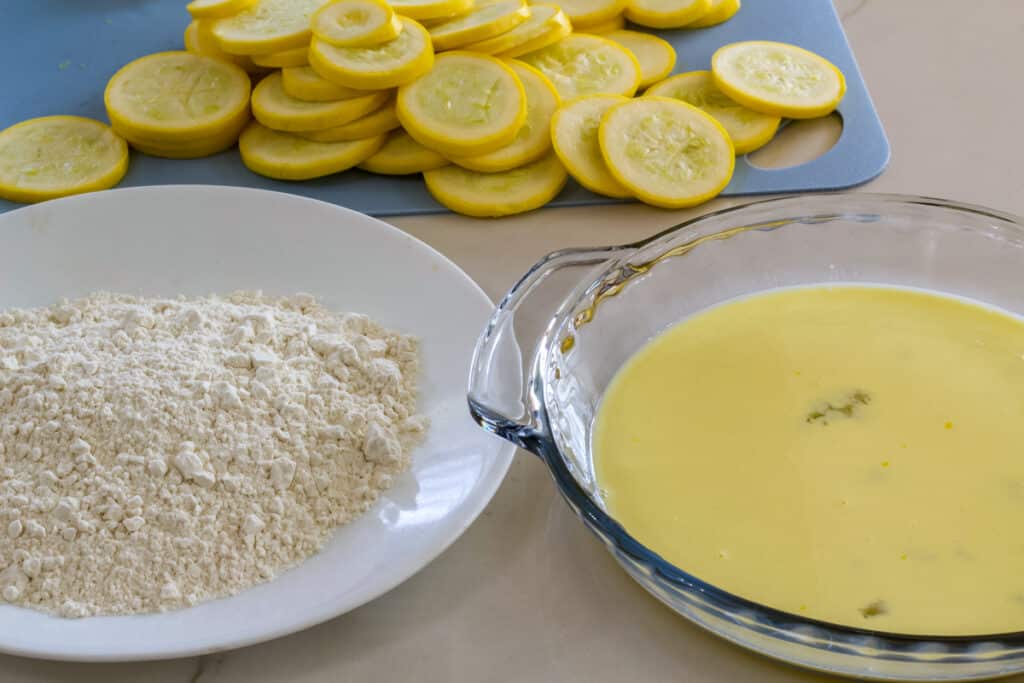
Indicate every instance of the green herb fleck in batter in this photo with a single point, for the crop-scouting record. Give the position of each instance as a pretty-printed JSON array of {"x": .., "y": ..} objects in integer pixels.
[
  {"x": 848, "y": 408},
  {"x": 875, "y": 609}
]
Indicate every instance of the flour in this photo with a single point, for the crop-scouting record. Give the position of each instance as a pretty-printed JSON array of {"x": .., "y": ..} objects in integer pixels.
[{"x": 159, "y": 452}]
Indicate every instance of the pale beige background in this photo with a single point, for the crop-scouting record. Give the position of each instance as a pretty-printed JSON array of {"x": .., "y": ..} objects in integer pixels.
[{"x": 527, "y": 594}]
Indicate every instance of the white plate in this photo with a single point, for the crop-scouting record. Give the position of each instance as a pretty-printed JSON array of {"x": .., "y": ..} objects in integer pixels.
[{"x": 204, "y": 240}]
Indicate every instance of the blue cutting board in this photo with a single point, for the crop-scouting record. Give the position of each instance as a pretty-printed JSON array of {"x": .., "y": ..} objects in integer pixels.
[{"x": 58, "y": 54}]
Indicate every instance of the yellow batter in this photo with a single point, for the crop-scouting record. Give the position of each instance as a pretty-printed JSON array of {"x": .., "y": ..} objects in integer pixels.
[{"x": 851, "y": 454}]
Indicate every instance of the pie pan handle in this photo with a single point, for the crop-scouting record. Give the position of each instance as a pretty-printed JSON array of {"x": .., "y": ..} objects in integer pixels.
[{"x": 503, "y": 398}]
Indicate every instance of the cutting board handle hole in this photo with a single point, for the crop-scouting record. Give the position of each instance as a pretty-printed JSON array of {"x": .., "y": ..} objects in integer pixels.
[{"x": 798, "y": 143}]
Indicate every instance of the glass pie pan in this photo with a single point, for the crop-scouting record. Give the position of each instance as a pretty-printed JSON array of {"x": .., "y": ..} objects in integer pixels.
[{"x": 540, "y": 369}]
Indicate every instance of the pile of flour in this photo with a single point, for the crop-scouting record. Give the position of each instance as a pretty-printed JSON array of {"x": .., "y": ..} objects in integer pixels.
[{"x": 159, "y": 452}]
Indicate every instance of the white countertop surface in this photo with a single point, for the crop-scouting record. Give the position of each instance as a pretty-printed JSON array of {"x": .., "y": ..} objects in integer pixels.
[{"x": 528, "y": 594}]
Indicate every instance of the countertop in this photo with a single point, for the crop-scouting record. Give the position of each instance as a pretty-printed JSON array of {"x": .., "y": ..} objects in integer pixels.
[{"x": 527, "y": 594}]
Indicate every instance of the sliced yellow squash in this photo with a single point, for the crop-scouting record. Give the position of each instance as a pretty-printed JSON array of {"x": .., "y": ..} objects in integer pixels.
[
  {"x": 778, "y": 79},
  {"x": 192, "y": 149},
  {"x": 590, "y": 12},
  {"x": 199, "y": 40},
  {"x": 431, "y": 9},
  {"x": 574, "y": 134},
  {"x": 395, "y": 63},
  {"x": 482, "y": 23},
  {"x": 288, "y": 157},
  {"x": 469, "y": 104},
  {"x": 437, "y": 21},
  {"x": 534, "y": 137},
  {"x": 289, "y": 58},
  {"x": 402, "y": 155},
  {"x": 656, "y": 57},
  {"x": 376, "y": 123},
  {"x": 56, "y": 156},
  {"x": 666, "y": 152},
  {"x": 614, "y": 24},
  {"x": 748, "y": 129},
  {"x": 490, "y": 195},
  {"x": 177, "y": 95},
  {"x": 720, "y": 12},
  {"x": 666, "y": 13},
  {"x": 184, "y": 146},
  {"x": 267, "y": 26},
  {"x": 558, "y": 28},
  {"x": 356, "y": 23},
  {"x": 584, "y": 64},
  {"x": 543, "y": 20},
  {"x": 276, "y": 109},
  {"x": 302, "y": 83}
]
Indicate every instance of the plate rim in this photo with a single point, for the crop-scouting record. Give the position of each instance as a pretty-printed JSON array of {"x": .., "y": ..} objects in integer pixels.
[{"x": 505, "y": 451}]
